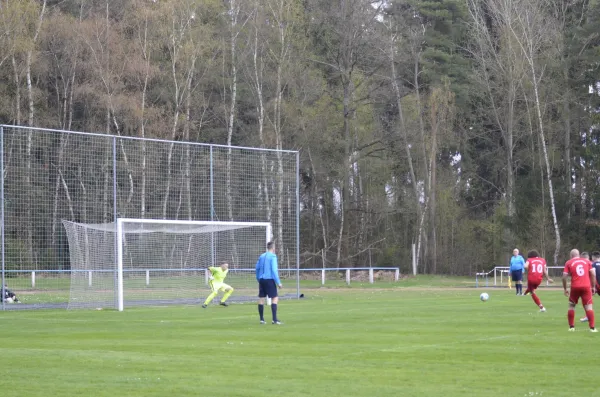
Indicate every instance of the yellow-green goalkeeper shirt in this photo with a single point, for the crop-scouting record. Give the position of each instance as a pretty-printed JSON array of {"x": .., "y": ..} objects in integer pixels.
[{"x": 218, "y": 274}]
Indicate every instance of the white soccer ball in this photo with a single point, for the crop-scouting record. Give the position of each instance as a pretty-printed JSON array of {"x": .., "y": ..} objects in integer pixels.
[
  {"x": 9, "y": 300},
  {"x": 484, "y": 296}
]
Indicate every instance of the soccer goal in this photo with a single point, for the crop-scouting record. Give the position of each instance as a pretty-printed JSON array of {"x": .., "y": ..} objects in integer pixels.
[{"x": 137, "y": 262}]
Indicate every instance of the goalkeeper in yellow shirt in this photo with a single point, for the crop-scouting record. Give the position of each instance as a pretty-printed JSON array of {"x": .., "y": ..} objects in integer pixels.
[{"x": 216, "y": 283}]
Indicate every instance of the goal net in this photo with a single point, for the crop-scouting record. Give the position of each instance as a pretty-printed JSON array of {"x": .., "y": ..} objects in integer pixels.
[{"x": 155, "y": 262}]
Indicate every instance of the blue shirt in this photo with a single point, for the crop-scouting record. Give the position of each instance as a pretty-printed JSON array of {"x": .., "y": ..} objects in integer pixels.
[
  {"x": 596, "y": 265},
  {"x": 517, "y": 263},
  {"x": 266, "y": 267}
]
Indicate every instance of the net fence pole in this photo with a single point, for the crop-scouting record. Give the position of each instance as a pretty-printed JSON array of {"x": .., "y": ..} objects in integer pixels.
[
  {"x": 2, "y": 209},
  {"x": 119, "y": 265},
  {"x": 269, "y": 236},
  {"x": 298, "y": 225},
  {"x": 118, "y": 280},
  {"x": 212, "y": 207}
]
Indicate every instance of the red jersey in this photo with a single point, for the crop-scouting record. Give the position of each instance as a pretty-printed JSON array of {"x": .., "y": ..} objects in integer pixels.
[
  {"x": 536, "y": 269},
  {"x": 579, "y": 270}
]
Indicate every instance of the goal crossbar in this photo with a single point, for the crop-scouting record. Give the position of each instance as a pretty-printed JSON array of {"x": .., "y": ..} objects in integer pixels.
[{"x": 131, "y": 225}]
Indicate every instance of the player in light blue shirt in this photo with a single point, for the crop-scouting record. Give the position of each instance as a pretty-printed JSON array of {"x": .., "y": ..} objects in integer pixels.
[
  {"x": 517, "y": 264},
  {"x": 267, "y": 276}
]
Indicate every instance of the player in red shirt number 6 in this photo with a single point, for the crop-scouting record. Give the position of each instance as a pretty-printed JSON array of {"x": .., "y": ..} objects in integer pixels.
[
  {"x": 536, "y": 271},
  {"x": 583, "y": 277}
]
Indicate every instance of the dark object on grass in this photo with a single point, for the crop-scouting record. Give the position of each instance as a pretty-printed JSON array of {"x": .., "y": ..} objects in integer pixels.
[{"x": 8, "y": 294}]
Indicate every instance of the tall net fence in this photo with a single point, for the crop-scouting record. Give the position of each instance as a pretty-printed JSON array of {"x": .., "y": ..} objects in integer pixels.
[{"x": 50, "y": 176}]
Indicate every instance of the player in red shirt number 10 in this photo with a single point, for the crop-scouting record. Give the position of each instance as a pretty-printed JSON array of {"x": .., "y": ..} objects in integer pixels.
[
  {"x": 536, "y": 271},
  {"x": 583, "y": 279}
]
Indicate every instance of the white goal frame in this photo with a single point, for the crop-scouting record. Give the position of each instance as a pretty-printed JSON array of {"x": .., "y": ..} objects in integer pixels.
[{"x": 120, "y": 236}]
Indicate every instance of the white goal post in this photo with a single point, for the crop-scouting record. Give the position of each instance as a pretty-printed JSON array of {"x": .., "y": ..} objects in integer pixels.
[{"x": 112, "y": 263}]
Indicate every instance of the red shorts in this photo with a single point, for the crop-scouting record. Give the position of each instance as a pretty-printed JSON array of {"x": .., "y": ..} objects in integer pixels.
[
  {"x": 533, "y": 285},
  {"x": 584, "y": 293}
]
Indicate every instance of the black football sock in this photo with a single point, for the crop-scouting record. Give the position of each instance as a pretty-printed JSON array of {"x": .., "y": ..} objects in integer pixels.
[
  {"x": 261, "y": 311},
  {"x": 274, "y": 311}
]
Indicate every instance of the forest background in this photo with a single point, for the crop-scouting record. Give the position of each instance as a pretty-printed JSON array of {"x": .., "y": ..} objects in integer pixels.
[{"x": 464, "y": 127}]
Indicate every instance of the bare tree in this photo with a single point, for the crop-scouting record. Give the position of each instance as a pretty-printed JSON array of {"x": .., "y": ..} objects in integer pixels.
[
  {"x": 441, "y": 104},
  {"x": 235, "y": 24},
  {"x": 233, "y": 12},
  {"x": 64, "y": 50},
  {"x": 257, "y": 71},
  {"x": 282, "y": 14},
  {"x": 31, "y": 46},
  {"x": 352, "y": 24},
  {"x": 534, "y": 32},
  {"x": 145, "y": 48},
  {"x": 182, "y": 16},
  {"x": 502, "y": 68},
  {"x": 394, "y": 38},
  {"x": 408, "y": 34}
]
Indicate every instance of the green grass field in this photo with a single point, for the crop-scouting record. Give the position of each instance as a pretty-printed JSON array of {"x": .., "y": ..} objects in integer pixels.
[{"x": 402, "y": 341}]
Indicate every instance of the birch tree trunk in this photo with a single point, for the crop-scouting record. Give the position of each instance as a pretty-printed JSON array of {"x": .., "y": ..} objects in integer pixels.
[
  {"x": 187, "y": 173},
  {"x": 178, "y": 32},
  {"x": 108, "y": 169},
  {"x": 402, "y": 130},
  {"x": 146, "y": 57},
  {"x": 233, "y": 15},
  {"x": 65, "y": 123},
  {"x": 30, "y": 123},
  {"x": 17, "y": 79},
  {"x": 234, "y": 11},
  {"x": 432, "y": 187},
  {"x": 421, "y": 235},
  {"x": 534, "y": 34},
  {"x": 61, "y": 153},
  {"x": 257, "y": 76},
  {"x": 567, "y": 145},
  {"x": 281, "y": 59},
  {"x": 538, "y": 109},
  {"x": 347, "y": 86}
]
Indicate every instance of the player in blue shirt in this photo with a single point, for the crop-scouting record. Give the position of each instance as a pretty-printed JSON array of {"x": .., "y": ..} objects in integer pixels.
[
  {"x": 596, "y": 266},
  {"x": 267, "y": 276},
  {"x": 517, "y": 264}
]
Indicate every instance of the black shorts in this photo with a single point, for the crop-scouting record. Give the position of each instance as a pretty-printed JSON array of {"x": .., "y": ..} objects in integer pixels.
[
  {"x": 517, "y": 275},
  {"x": 267, "y": 287}
]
